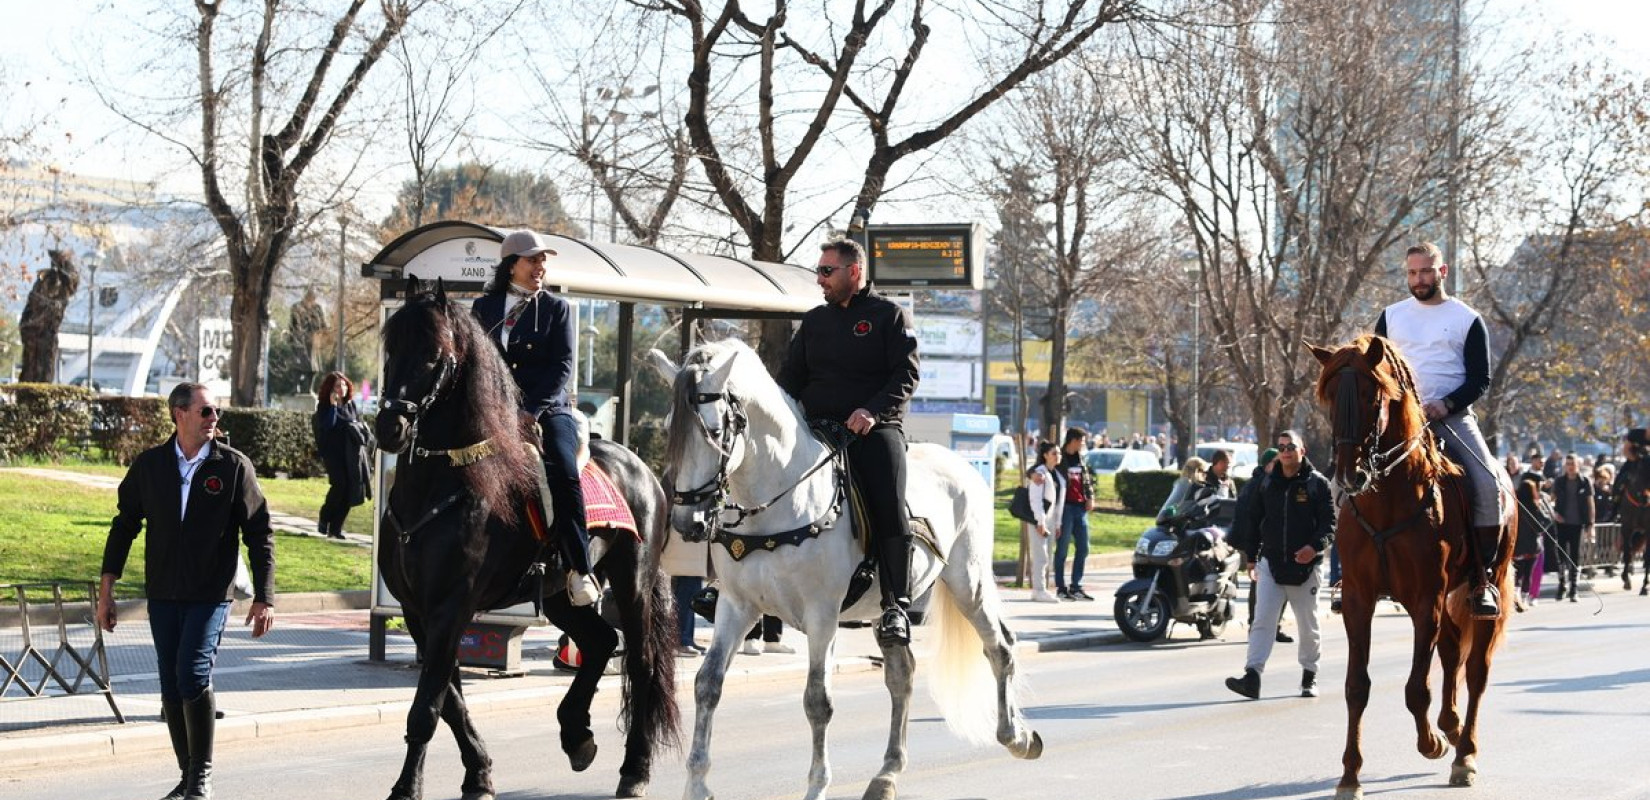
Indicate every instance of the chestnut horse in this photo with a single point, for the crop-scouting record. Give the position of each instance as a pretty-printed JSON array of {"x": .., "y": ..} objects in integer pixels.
[{"x": 1403, "y": 531}]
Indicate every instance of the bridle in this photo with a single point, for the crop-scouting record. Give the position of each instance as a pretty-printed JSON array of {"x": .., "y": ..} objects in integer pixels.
[
  {"x": 708, "y": 502},
  {"x": 412, "y": 410},
  {"x": 1374, "y": 463}
]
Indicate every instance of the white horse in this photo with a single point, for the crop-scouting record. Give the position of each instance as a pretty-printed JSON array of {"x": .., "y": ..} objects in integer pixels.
[{"x": 736, "y": 438}]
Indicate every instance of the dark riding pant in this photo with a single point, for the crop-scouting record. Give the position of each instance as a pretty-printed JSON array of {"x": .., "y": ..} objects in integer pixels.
[
  {"x": 878, "y": 463},
  {"x": 1568, "y": 538},
  {"x": 561, "y": 467},
  {"x": 186, "y": 645}
]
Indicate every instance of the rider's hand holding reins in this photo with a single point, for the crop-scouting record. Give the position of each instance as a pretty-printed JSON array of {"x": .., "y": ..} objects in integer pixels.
[{"x": 861, "y": 421}]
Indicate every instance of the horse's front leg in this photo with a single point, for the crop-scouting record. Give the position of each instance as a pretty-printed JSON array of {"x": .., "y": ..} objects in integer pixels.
[
  {"x": 1357, "y": 610},
  {"x": 1418, "y": 691},
  {"x": 899, "y": 673},
  {"x": 733, "y": 618},
  {"x": 478, "y": 766},
  {"x": 437, "y": 639}
]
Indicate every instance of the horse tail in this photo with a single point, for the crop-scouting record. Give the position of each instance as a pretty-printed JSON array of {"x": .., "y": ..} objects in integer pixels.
[
  {"x": 964, "y": 685},
  {"x": 649, "y": 692}
]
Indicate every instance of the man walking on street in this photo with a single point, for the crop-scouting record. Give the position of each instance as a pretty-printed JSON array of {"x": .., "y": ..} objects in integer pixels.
[
  {"x": 1293, "y": 518},
  {"x": 1573, "y": 507},
  {"x": 194, "y": 496},
  {"x": 1448, "y": 348}
]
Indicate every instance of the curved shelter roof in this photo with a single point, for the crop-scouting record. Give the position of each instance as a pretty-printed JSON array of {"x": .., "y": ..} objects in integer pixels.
[{"x": 463, "y": 255}]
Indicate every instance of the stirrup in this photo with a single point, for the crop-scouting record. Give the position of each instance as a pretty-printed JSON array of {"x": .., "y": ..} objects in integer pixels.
[
  {"x": 1486, "y": 604},
  {"x": 582, "y": 590},
  {"x": 894, "y": 629}
]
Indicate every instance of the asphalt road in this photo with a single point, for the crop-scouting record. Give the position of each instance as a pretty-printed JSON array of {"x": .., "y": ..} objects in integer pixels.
[{"x": 1568, "y": 716}]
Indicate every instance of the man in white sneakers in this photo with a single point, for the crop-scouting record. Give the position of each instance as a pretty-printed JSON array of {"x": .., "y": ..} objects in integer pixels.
[{"x": 1447, "y": 346}]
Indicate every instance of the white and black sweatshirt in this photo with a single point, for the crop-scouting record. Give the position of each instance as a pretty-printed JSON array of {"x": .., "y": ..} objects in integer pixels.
[{"x": 1445, "y": 344}]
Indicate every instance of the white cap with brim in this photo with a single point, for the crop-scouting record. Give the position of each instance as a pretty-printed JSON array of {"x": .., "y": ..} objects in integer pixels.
[{"x": 524, "y": 243}]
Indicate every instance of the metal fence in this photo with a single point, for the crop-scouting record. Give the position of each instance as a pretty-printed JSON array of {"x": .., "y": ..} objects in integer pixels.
[
  {"x": 63, "y": 667},
  {"x": 1601, "y": 551}
]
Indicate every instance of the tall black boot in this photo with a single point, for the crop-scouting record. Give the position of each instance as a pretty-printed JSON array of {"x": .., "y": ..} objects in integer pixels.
[
  {"x": 172, "y": 710},
  {"x": 200, "y": 719},
  {"x": 894, "y": 568},
  {"x": 1486, "y": 546}
]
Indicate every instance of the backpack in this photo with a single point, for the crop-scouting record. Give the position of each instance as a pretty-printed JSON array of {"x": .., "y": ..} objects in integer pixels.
[{"x": 1019, "y": 505}]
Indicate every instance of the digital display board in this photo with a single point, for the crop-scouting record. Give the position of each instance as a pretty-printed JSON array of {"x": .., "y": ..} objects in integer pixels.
[{"x": 924, "y": 256}]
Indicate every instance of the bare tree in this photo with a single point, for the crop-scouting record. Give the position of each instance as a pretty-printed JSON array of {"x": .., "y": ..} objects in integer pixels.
[
  {"x": 847, "y": 66},
  {"x": 1294, "y": 139},
  {"x": 43, "y": 315}
]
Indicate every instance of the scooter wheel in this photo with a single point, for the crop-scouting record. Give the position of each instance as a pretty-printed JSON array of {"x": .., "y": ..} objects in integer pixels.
[{"x": 1141, "y": 624}]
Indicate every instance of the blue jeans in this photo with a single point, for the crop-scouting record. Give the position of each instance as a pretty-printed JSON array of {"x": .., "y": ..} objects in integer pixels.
[
  {"x": 186, "y": 645},
  {"x": 1074, "y": 530},
  {"x": 561, "y": 444},
  {"x": 684, "y": 588}
]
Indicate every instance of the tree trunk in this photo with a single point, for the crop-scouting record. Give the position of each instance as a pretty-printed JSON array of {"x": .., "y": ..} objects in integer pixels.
[{"x": 43, "y": 315}]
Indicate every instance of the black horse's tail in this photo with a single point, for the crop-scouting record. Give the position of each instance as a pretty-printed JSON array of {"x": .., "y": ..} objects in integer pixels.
[{"x": 649, "y": 696}]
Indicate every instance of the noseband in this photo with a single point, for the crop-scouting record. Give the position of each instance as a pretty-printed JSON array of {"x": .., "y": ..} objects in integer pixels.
[
  {"x": 411, "y": 410},
  {"x": 1369, "y": 463},
  {"x": 710, "y": 497}
]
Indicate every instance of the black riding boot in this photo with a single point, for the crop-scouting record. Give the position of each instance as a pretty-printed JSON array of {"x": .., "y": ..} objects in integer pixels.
[
  {"x": 1486, "y": 598},
  {"x": 200, "y": 720},
  {"x": 894, "y": 568},
  {"x": 173, "y": 711}
]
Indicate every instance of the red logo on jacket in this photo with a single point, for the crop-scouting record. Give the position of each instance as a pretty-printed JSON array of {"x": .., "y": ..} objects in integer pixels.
[
  {"x": 213, "y": 484},
  {"x": 862, "y": 327}
]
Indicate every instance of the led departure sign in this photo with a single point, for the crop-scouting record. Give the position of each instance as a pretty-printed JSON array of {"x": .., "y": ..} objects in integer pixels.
[{"x": 926, "y": 256}]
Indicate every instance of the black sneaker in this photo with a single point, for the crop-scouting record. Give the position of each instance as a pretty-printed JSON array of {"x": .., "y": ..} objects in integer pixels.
[
  {"x": 1062, "y": 594},
  {"x": 1248, "y": 685},
  {"x": 1486, "y": 603},
  {"x": 894, "y": 629},
  {"x": 1284, "y": 638},
  {"x": 1309, "y": 683},
  {"x": 1077, "y": 593}
]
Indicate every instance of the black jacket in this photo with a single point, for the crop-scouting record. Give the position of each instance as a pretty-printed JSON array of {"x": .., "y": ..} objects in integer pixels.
[
  {"x": 193, "y": 559},
  {"x": 346, "y": 448},
  {"x": 1573, "y": 499},
  {"x": 862, "y": 356},
  {"x": 540, "y": 354},
  {"x": 1533, "y": 519},
  {"x": 1287, "y": 514}
]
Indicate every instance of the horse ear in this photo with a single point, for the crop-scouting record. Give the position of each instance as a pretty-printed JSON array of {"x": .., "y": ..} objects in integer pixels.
[
  {"x": 1377, "y": 350},
  {"x": 716, "y": 377},
  {"x": 667, "y": 369},
  {"x": 440, "y": 292},
  {"x": 1323, "y": 355},
  {"x": 412, "y": 287}
]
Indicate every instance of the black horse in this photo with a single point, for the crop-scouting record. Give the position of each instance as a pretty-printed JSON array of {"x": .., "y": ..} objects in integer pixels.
[{"x": 456, "y": 541}]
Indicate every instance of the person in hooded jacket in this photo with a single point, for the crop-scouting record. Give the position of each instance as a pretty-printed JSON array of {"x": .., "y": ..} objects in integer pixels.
[{"x": 1293, "y": 517}]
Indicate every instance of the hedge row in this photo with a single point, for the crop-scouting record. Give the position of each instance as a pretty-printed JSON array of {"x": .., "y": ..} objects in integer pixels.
[
  {"x": 1144, "y": 492},
  {"x": 51, "y": 422}
]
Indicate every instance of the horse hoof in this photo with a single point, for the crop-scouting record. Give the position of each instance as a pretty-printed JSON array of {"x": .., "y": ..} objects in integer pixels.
[
  {"x": 1349, "y": 793},
  {"x": 582, "y": 755},
  {"x": 1463, "y": 775},
  {"x": 881, "y": 788},
  {"x": 1033, "y": 749},
  {"x": 631, "y": 787},
  {"x": 1436, "y": 748}
]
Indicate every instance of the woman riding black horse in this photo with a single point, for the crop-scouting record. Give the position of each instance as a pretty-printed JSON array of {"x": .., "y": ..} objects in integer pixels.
[{"x": 456, "y": 540}]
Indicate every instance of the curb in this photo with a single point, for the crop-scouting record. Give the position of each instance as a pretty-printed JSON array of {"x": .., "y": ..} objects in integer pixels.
[
  {"x": 137, "y": 609},
  {"x": 144, "y": 739}
]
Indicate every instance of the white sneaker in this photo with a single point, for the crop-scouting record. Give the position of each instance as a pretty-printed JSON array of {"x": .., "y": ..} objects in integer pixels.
[
  {"x": 1041, "y": 596},
  {"x": 778, "y": 647},
  {"x": 749, "y": 648},
  {"x": 582, "y": 590}
]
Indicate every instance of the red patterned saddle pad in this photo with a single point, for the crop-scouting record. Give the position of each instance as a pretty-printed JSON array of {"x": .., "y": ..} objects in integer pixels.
[{"x": 604, "y": 505}]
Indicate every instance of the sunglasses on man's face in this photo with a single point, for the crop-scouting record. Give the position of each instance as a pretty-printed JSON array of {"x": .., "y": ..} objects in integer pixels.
[
  {"x": 824, "y": 271},
  {"x": 211, "y": 412},
  {"x": 1288, "y": 448}
]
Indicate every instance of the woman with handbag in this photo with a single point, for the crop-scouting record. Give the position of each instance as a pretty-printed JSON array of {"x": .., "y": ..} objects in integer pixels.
[
  {"x": 345, "y": 445},
  {"x": 1047, "y": 502}
]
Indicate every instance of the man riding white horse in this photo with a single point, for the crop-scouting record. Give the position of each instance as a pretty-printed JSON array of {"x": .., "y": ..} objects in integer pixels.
[{"x": 854, "y": 361}]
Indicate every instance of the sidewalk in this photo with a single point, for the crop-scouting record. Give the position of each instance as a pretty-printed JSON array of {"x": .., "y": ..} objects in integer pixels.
[{"x": 312, "y": 673}]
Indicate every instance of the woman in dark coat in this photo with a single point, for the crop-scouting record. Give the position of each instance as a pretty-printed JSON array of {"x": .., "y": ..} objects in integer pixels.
[{"x": 346, "y": 447}]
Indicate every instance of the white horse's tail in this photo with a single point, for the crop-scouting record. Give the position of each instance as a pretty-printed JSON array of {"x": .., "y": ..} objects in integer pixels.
[{"x": 963, "y": 684}]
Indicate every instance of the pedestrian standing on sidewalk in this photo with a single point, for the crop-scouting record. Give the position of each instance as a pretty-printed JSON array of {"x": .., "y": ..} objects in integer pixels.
[
  {"x": 1532, "y": 526},
  {"x": 346, "y": 448},
  {"x": 1074, "y": 517},
  {"x": 1295, "y": 520},
  {"x": 193, "y": 497},
  {"x": 1047, "y": 505},
  {"x": 1573, "y": 511}
]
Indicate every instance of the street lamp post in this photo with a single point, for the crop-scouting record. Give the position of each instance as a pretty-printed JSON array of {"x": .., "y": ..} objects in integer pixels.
[
  {"x": 1197, "y": 350},
  {"x": 92, "y": 260},
  {"x": 343, "y": 236}
]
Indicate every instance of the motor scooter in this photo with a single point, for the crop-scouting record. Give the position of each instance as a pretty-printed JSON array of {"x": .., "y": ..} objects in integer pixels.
[{"x": 1184, "y": 571}]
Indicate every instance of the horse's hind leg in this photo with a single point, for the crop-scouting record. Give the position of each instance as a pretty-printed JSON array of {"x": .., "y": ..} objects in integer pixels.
[
  {"x": 596, "y": 641},
  {"x": 1449, "y": 660},
  {"x": 1464, "y": 772},
  {"x": 478, "y": 778},
  {"x": 1417, "y": 692},
  {"x": 732, "y": 620},
  {"x": 899, "y": 674}
]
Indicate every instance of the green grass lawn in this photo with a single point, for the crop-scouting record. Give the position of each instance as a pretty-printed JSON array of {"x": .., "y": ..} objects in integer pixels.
[
  {"x": 1110, "y": 529},
  {"x": 52, "y": 530}
]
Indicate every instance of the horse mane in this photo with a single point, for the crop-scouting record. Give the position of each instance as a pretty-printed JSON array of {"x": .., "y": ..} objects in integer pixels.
[
  {"x": 485, "y": 387},
  {"x": 1394, "y": 380}
]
